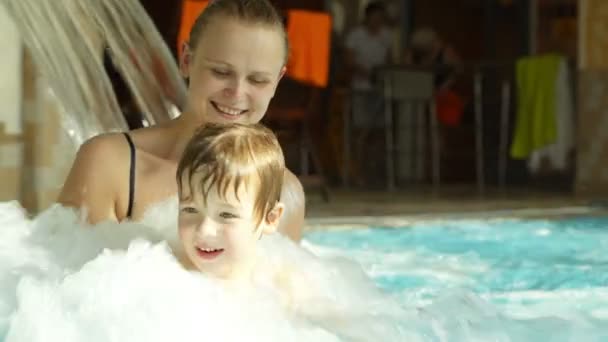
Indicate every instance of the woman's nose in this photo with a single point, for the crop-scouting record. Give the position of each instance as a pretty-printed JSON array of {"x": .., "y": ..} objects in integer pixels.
[{"x": 235, "y": 88}]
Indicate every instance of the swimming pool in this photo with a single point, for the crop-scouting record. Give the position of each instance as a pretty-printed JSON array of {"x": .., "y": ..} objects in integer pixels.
[
  {"x": 448, "y": 280},
  {"x": 522, "y": 266}
]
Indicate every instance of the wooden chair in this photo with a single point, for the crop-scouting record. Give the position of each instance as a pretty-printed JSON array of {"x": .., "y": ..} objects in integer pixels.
[{"x": 291, "y": 119}]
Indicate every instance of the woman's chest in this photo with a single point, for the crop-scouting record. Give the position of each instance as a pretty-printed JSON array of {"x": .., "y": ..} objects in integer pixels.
[{"x": 154, "y": 183}]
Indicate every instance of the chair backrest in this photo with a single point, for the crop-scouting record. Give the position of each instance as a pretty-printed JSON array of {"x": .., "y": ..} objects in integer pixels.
[{"x": 405, "y": 84}]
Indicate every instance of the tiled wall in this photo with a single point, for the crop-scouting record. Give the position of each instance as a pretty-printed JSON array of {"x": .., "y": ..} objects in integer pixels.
[
  {"x": 592, "y": 144},
  {"x": 11, "y": 133},
  {"x": 35, "y": 161},
  {"x": 11, "y": 151}
]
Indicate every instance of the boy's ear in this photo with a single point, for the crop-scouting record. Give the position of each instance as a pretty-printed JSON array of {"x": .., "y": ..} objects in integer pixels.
[{"x": 271, "y": 221}]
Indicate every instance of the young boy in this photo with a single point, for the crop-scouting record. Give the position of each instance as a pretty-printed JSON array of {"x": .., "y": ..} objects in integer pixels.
[
  {"x": 229, "y": 182},
  {"x": 230, "y": 179}
]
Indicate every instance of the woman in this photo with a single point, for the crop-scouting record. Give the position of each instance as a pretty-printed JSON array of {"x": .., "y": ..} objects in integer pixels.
[{"x": 234, "y": 60}]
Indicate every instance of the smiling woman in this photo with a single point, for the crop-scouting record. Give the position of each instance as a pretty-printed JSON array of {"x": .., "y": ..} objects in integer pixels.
[
  {"x": 234, "y": 61},
  {"x": 239, "y": 78}
]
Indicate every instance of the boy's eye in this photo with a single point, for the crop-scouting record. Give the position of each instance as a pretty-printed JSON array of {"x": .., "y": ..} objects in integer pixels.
[
  {"x": 226, "y": 215},
  {"x": 189, "y": 210},
  {"x": 220, "y": 72}
]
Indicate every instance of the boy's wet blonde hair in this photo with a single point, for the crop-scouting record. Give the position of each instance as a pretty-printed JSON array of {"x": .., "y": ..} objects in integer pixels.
[
  {"x": 258, "y": 12},
  {"x": 231, "y": 155}
]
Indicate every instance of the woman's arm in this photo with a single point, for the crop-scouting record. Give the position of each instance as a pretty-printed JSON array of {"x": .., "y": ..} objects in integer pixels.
[
  {"x": 91, "y": 183},
  {"x": 292, "y": 195}
]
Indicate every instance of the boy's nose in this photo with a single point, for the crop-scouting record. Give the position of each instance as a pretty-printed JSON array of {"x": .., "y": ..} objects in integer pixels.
[{"x": 207, "y": 228}]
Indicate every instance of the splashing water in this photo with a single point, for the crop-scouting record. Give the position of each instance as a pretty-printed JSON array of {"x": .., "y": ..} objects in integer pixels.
[
  {"x": 62, "y": 281},
  {"x": 531, "y": 271},
  {"x": 66, "y": 40}
]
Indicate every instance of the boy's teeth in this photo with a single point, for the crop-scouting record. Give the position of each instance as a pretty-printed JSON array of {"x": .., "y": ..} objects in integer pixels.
[{"x": 208, "y": 250}]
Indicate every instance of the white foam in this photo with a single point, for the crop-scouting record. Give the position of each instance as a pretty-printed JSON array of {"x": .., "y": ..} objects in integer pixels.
[{"x": 63, "y": 281}]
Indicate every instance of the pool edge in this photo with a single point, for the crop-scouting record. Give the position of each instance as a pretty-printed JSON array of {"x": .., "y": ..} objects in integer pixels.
[{"x": 393, "y": 221}]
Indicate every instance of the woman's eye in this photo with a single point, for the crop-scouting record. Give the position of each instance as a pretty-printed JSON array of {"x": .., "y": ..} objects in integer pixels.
[
  {"x": 257, "y": 80},
  {"x": 226, "y": 215}
]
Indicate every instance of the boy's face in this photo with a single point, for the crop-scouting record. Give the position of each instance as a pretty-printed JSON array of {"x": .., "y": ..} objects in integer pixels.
[
  {"x": 219, "y": 237},
  {"x": 234, "y": 71}
]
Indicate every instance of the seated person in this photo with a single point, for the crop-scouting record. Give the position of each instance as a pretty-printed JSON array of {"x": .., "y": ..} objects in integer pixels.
[
  {"x": 220, "y": 266},
  {"x": 368, "y": 47},
  {"x": 427, "y": 49}
]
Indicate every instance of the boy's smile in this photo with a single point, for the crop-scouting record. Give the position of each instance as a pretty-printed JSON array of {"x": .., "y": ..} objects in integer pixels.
[
  {"x": 219, "y": 234},
  {"x": 209, "y": 253}
]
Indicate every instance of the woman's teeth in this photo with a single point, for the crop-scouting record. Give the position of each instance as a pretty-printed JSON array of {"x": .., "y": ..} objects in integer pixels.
[{"x": 228, "y": 110}]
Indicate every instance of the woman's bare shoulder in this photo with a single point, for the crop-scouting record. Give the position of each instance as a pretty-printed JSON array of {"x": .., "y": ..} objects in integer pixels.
[
  {"x": 293, "y": 197},
  {"x": 115, "y": 146},
  {"x": 292, "y": 183},
  {"x": 100, "y": 172},
  {"x": 95, "y": 172},
  {"x": 104, "y": 145},
  {"x": 110, "y": 152},
  {"x": 155, "y": 140}
]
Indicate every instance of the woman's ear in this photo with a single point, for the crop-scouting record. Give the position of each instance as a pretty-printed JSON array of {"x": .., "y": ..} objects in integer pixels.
[
  {"x": 281, "y": 74},
  {"x": 271, "y": 221},
  {"x": 185, "y": 60}
]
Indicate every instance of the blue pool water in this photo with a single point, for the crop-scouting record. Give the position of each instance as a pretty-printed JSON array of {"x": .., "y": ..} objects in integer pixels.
[
  {"x": 451, "y": 280},
  {"x": 505, "y": 261}
]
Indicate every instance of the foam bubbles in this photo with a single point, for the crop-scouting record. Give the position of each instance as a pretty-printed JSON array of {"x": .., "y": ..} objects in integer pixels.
[{"x": 64, "y": 281}]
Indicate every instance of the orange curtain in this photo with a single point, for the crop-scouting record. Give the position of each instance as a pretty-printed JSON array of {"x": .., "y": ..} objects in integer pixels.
[
  {"x": 309, "y": 36},
  {"x": 190, "y": 11}
]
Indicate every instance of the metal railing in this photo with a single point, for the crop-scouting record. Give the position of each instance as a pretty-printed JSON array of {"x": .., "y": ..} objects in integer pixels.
[{"x": 479, "y": 73}]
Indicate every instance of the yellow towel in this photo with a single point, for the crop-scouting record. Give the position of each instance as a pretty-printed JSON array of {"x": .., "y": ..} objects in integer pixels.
[{"x": 535, "y": 125}]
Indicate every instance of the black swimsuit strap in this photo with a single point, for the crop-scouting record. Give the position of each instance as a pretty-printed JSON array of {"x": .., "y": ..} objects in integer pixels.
[{"x": 131, "y": 175}]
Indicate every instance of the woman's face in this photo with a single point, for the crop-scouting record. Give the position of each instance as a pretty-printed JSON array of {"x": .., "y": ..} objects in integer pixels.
[{"x": 234, "y": 71}]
